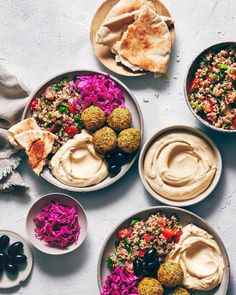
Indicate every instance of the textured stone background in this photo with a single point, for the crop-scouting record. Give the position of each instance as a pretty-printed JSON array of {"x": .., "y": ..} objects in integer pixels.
[{"x": 42, "y": 38}]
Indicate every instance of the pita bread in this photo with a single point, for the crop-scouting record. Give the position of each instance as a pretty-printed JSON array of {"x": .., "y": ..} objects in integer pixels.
[
  {"x": 146, "y": 44},
  {"x": 27, "y": 124},
  {"x": 38, "y": 144},
  {"x": 119, "y": 18}
]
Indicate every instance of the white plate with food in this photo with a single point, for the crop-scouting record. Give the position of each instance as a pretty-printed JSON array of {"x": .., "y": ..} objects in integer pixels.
[
  {"x": 81, "y": 130},
  {"x": 16, "y": 259},
  {"x": 133, "y": 37},
  {"x": 180, "y": 166},
  {"x": 164, "y": 249}
]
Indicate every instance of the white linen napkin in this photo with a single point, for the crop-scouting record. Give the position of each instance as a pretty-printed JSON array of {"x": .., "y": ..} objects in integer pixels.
[{"x": 13, "y": 97}]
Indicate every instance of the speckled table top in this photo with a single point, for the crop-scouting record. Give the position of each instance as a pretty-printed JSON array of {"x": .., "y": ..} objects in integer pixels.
[{"x": 41, "y": 38}]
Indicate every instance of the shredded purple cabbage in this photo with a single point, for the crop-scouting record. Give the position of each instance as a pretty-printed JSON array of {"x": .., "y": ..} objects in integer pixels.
[
  {"x": 120, "y": 282},
  {"x": 57, "y": 225},
  {"x": 97, "y": 90}
]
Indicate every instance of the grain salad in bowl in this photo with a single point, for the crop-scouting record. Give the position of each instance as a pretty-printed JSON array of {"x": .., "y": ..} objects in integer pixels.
[
  {"x": 163, "y": 250},
  {"x": 81, "y": 130},
  {"x": 211, "y": 87}
]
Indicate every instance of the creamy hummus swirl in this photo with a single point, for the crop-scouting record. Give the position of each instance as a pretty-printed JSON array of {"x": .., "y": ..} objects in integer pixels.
[
  {"x": 200, "y": 258},
  {"x": 77, "y": 164},
  {"x": 180, "y": 166}
]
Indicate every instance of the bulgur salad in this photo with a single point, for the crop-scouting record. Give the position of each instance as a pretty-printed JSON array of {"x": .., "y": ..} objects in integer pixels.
[
  {"x": 212, "y": 92},
  {"x": 162, "y": 255}
]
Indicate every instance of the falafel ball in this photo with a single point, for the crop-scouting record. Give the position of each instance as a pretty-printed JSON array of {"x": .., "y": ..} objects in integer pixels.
[
  {"x": 170, "y": 274},
  {"x": 93, "y": 118},
  {"x": 180, "y": 291},
  {"x": 129, "y": 140},
  {"x": 150, "y": 286},
  {"x": 104, "y": 140},
  {"x": 119, "y": 119}
]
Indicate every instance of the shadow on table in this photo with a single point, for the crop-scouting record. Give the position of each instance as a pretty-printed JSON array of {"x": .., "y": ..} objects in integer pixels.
[{"x": 62, "y": 265}]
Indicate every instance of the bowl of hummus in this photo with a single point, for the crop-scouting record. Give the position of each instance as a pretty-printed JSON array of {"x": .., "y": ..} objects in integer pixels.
[{"x": 180, "y": 166}]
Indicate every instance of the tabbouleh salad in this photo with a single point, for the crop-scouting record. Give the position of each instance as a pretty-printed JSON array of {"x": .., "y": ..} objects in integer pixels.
[
  {"x": 157, "y": 231},
  {"x": 212, "y": 92}
]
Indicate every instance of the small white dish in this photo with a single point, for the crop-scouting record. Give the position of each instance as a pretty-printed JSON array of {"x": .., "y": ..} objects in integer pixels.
[
  {"x": 9, "y": 280},
  {"x": 204, "y": 194},
  {"x": 37, "y": 209}
]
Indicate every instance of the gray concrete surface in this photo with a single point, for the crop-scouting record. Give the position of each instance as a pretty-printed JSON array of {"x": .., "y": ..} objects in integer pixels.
[{"x": 42, "y": 38}]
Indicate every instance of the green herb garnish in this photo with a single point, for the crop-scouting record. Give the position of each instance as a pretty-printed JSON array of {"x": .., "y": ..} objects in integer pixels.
[
  {"x": 223, "y": 67},
  {"x": 214, "y": 76},
  {"x": 77, "y": 118},
  {"x": 57, "y": 87},
  {"x": 110, "y": 263},
  {"x": 62, "y": 108},
  {"x": 134, "y": 220}
]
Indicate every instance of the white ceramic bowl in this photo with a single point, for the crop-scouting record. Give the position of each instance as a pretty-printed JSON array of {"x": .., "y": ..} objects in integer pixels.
[
  {"x": 203, "y": 195},
  {"x": 37, "y": 208},
  {"x": 131, "y": 103},
  {"x": 185, "y": 217}
]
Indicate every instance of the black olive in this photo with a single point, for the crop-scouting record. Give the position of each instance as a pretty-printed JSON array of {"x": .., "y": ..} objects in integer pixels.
[
  {"x": 19, "y": 258},
  {"x": 121, "y": 158},
  {"x": 150, "y": 255},
  {"x": 15, "y": 248},
  {"x": 138, "y": 266},
  {"x": 114, "y": 170},
  {"x": 3, "y": 257},
  {"x": 11, "y": 268},
  {"x": 111, "y": 159},
  {"x": 4, "y": 241},
  {"x": 151, "y": 267}
]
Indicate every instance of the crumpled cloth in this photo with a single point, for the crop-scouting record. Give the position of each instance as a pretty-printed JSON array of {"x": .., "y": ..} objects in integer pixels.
[{"x": 13, "y": 98}]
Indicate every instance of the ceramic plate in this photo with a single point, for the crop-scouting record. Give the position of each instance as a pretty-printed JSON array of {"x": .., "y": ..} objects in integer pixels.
[
  {"x": 185, "y": 217},
  {"x": 10, "y": 280},
  {"x": 103, "y": 53},
  {"x": 37, "y": 208},
  {"x": 131, "y": 103},
  {"x": 193, "y": 131}
]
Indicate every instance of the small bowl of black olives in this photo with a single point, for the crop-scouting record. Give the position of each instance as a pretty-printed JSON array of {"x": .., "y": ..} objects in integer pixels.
[{"x": 16, "y": 259}]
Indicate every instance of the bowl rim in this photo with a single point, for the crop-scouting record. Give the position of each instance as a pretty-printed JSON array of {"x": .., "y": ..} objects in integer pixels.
[
  {"x": 45, "y": 196},
  {"x": 205, "y": 193},
  {"x": 162, "y": 208},
  {"x": 140, "y": 118},
  {"x": 189, "y": 69}
]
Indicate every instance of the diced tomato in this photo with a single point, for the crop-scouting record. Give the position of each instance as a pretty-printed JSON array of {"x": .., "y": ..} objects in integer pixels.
[
  {"x": 54, "y": 128},
  {"x": 124, "y": 233},
  {"x": 34, "y": 104},
  {"x": 50, "y": 93},
  {"x": 208, "y": 78},
  {"x": 71, "y": 109},
  {"x": 141, "y": 253},
  {"x": 235, "y": 121},
  {"x": 147, "y": 237},
  {"x": 196, "y": 82},
  {"x": 168, "y": 232},
  {"x": 71, "y": 130},
  {"x": 177, "y": 236}
]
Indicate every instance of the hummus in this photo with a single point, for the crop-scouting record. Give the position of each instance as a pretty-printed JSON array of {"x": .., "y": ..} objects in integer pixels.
[
  {"x": 180, "y": 166},
  {"x": 200, "y": 258},
  {"x": 77, "y": 164}
]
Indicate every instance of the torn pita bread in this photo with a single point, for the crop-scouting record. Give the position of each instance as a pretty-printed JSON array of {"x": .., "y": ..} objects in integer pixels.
[
  {"x": 146, "y": 44},
  {"x": 27, "y": 124},
  {"x": 119, "y": 18},
  {"x": 38, "y": 144}
]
